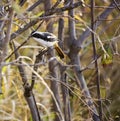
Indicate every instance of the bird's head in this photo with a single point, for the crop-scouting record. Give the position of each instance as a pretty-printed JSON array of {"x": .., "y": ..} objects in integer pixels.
[{"x": 44, "y": 36}]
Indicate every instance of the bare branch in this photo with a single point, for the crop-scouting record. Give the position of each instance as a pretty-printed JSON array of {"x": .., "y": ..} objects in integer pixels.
[
  {"x": 9, "y": 28},
  {"x": 33, "y": 22},
  {"x": 27, "y": 90},
  {"x": 35, "y": 5},
  {"x": 22, "y": 2},
  {"x": 86, "y": 33},
  {"x": 72, "y": 30},
  {"x": 75, "y": 60},
  {"x": 38, "y": 59},
  {"x": 95, "y": 58},
  {"x": 115, "y": 2}
]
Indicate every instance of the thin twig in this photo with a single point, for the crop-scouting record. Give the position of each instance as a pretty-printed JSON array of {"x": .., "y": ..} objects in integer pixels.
[
  {"x": 35, "y": 5},
  {"x": 16, "y": 49},
  {"x": 116, "y": 5},
  {"x": 33, "y": 22},
  {"x": 38, "y": 59},
  {"x": 39, "y": 25},
  {"x": 56, "y": 4},
  {"x": 86, "y": 33},
  {"x": 22, "y": 2},
  {"x": 95, "y": 58},
  {"x": 9, "y": 28}
]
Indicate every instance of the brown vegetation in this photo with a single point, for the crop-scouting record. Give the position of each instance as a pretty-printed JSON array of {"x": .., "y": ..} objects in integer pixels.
[{"x": 35, "y": 84}]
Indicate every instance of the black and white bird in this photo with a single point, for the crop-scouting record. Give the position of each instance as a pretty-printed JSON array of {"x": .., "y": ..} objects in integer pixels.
[{"x": 47, "y": 39}]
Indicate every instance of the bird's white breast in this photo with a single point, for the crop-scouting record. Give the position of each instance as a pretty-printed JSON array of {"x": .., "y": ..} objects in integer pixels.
[{"x": 45, "y": 43}]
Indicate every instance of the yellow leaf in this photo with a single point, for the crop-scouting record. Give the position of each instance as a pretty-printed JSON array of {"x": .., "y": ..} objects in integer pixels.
[
  {"x": 78, "y": 18},
  {"x": 37, "y": 15}
]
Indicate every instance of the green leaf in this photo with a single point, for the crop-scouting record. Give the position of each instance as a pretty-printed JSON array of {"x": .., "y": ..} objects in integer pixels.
[{"x": 107, "y": 58}]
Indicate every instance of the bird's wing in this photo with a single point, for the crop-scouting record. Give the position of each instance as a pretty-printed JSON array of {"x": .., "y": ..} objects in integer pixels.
[{"x": 49, "y": 36}]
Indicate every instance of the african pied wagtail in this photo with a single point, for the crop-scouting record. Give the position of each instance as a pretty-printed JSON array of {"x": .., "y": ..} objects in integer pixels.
[{"x": 47, "y": 39}]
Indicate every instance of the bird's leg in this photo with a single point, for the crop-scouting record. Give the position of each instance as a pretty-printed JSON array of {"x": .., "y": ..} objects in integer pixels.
[{"x": 42, "y": 53}]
